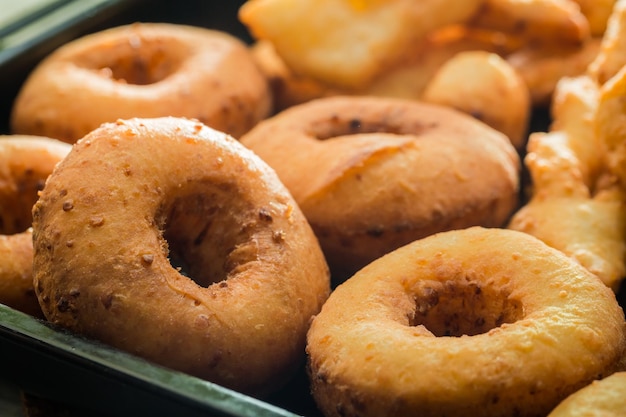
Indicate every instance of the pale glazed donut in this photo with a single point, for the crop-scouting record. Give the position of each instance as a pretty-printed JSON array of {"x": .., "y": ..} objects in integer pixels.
[
  {"x": 25, "y": 164},
  {"x": 104, "y": 230},
  {"x": 372, "y": 174},
  {"x": 143, "y": 70},
  {"x": 602, "y": 398},
  {"x": 473, "y": 322}
]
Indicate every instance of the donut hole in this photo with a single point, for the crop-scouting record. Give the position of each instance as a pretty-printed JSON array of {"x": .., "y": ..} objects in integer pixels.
[
  {"x": 139, "y": 61},
  {"x": 208, "y": 233},
  {"x": 461, "y": 307},
  {"x": 343, "y": 125},
  {"x": 18, "y": 192}
]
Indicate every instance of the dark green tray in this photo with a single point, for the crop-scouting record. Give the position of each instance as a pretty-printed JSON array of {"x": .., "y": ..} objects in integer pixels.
[{"x": 51, "y": 363}]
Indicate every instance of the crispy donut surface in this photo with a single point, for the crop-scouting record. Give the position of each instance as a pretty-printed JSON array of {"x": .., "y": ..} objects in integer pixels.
[
  {"x": 488, "y": 322},
  {"x": 372, "y": 174},
  {"x": 168, "y": 239},
  {"x": 25, "y": 164},
  {"x": 143, "y": 70}
]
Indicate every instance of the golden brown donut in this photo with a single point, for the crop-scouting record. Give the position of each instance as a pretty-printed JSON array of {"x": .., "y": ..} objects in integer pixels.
[
  {"x": 602, "y": 398},
  {"x": 25, "y": 164},
  {"x": 372, "y": 174},
  {"x": 182, "y": 247},
  {"x": 472, "y": 322},
  {"x": 143, "y": 70}
]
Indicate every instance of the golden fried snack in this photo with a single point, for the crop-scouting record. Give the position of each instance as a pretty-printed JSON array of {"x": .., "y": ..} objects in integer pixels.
[
  {"x": 409, "y": 78},
  {"x": 287, "y": 88},
  {"x": 568, "y": 160},
  {"x": 473, "y": 322},
  {"x": 597, "y": 13},
  {"x": 372, "y": 174},
  {"x": 602, "y": 398},
  {"x": 25, "y": 164},
  {"x": 611, "y": 57},
  {"x": 555, "y": 21},
  {"x": 578, "y": 165},
  {"x": 611, "y": 66},
  {"x": 610, "y": 115},
  {"x": 542, "y": 67},
  {"x": 405, "y": 80},
  {"x": 142, "y": 70},
  {"x": 591, "y": 230},
  {"x": 484, "y": 85},
  {"x": 347, "y": 43},
  {"x": 576, "y": 206},
  {"x": 611, "y": 119},
  {"x": 172, "y": 241}
]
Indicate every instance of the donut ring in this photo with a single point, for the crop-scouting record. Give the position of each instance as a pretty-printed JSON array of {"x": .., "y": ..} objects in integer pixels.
[
  {"x": 488, "y": 322},
  {"x": 143, "y": 70},
  {"x": 171, "y": 191},
  {"x": 25, "y": 164},
  {"x": 372, "y": 174},
  {"x": 604, "y": 397}
]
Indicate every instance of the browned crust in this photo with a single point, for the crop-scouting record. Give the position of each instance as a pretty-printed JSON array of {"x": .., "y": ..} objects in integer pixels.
[
  {"x": 143, "y": 70},
  {"x": 372, "y": 174},
  {"x": 488, "y": 322},
  {"x": 248, "y": 273},
  {"x": 25, "y": 164}
]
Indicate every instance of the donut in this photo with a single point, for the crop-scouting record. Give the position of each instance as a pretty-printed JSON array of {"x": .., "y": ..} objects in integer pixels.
[
  {"x": 25, "y": 164},
  {"x": 603, "y": 397},
  {"x": 181, "y": 247},
  {"x": 372, "y": 174},
  {"x": 478, "y": 321},
  {"x": 142, "y": 70}
]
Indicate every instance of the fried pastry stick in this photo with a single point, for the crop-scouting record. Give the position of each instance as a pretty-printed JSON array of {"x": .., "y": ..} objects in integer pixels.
[{"x": 578, "y": 169}]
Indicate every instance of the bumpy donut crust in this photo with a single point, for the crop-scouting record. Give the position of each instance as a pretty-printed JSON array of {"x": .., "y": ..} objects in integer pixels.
[
  {"x": 136, "y": 197},
  {"x": 372, "y": 174},
  {"x": 143, "y": 70},
  {"x": 488, "y": 322},
  {"x": 25, "y": 164}
]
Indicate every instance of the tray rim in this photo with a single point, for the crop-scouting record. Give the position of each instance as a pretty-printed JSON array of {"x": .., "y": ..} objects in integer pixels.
[{"x": 34, "y": 353}]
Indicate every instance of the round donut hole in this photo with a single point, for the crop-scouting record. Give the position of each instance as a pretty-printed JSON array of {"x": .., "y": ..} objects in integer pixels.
[
  {"x": 18, "y": 195},
  {"x": 139, "y": 61},
  {"x": 207, "y": 237},
  {"x": 462, "y": 307}
]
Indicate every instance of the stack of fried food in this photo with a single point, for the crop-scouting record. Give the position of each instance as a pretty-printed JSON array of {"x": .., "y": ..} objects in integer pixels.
[
  {"x": 578, "y": 167},
  {"x": 500, "y": 61},
  {"x": 494, "y": 59}
]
